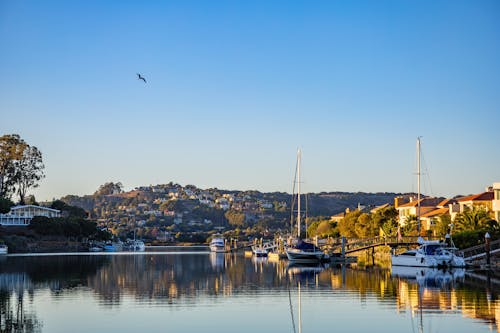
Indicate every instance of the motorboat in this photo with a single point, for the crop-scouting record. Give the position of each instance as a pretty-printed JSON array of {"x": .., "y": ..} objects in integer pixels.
[
  {"x": 218, "y": 244},
  {"x": 134, "y": 245},
  {"x": 429, "y": 254},
  {"x": 4, "y": 249},
  {"x": 95, "y": 248},
  {"x": 137, "y": 246},
  {"x": 259, "y": 251}
]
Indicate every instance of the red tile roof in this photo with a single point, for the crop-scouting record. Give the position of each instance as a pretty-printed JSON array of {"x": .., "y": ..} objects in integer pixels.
[
  {"x": 485, "y": 196},
  {"x": 436, "y": 212}
]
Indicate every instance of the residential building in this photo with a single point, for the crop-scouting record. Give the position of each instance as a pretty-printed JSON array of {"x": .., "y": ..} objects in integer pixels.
[
  {"x": 406, "y": 210},
  {"x": 22, "y": 215},
  {"x": 481, "y": 200},
  {"x": 496, "y": 201}
]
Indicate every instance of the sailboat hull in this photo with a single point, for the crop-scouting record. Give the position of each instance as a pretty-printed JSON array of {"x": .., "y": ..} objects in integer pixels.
[{"x": 300, "y": 256}]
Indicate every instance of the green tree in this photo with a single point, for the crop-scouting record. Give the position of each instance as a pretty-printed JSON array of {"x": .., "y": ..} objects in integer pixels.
[
  {"x": 363, "y": 226},
  {"x": 28, "y": 171},
  {"x": 11, "y": 150},
  {"x": 411, "y": 226},
  {"x": 347, "y": 226},
  {"x": 442, "y": 226},
  {"x": 109, "y": 188},
  {"x": 476, "y": 218},
  {"x": 235, "y": 217},
  {"x": 5, "y": 205}
]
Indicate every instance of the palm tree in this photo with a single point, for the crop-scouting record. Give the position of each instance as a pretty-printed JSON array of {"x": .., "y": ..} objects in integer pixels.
[{"x": 475, "y": 218}]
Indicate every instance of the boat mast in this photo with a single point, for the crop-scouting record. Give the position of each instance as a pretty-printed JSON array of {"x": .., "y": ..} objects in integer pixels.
[
  {"x": 298, "y": 193},
  {"x": 418, "y": 185}
]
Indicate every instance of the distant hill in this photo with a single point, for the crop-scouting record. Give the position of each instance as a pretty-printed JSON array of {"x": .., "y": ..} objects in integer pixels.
[{"x": 318, "y": 204}]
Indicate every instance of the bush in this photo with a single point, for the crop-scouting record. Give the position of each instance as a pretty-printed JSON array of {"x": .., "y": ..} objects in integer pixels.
[{"x": 467, "y": 239}]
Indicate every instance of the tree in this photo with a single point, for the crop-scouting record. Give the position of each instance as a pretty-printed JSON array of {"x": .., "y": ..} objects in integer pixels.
[
  {"x": 235, "y": 218},
  {"x": 11, "y": 149},
  {"x": 347, "y": 225},
  {"x": 5, "y": 205},
  {"x": 475, "y": 218},
  {"x": 442, "y": 226},
  {"x": 28, "y": 171},
  {"x": 363, "y": 226},
  {"x": 109, "y": 188}
]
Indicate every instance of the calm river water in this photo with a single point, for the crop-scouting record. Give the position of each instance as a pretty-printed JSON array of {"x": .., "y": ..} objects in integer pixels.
[{"x": 207, "y": 292}]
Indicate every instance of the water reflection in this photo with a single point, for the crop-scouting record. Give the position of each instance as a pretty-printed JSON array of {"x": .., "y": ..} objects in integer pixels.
[{"x": 185, "y": 280}]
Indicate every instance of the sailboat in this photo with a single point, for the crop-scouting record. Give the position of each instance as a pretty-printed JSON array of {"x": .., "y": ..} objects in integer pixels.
[
  {"x": 301, "y": 251},
  {"x": 430, "y": 253}
]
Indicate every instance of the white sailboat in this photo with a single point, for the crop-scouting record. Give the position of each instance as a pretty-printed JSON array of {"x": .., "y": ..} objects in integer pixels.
[
  {"x": 429, "y": 253},
  {"x": 301, "y": 251}
]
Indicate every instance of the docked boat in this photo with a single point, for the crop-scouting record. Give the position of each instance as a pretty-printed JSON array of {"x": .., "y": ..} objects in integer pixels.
[
  {"x": 298, "y": 250},
  {"x": 429, "y": 254},
  {"x": 218, "y": 244},
  {"x": 304, "y": 252},
  {"x": 95, "y": 248},
  {"x": 4, "y": 249},
  {"x": 259, "y": 251},
  {"x": 113, "y": 247},
  {"x": 137, "y": 246}
]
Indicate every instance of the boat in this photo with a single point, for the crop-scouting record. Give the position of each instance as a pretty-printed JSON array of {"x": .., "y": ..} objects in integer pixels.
[
  {"x": 218, "y": 244},
  {"x": 109, "y": 248},
  {"x": 137, "y": 246},
  {"x": 113, "y": 247},
  {"x": 298, "y": 250},
  {"x": 259, "y": 251},
  {"x": 430, "y": 253},
  {"x": 4, "y": 249},
  {"x": 95, "y": 248}
]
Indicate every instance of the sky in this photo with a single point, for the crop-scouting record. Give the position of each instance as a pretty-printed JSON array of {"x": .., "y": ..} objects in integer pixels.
[{"x": 234, "y": 88}]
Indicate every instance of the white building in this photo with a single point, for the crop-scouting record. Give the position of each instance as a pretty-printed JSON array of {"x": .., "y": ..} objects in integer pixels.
[{"x": 22, "y": 215}]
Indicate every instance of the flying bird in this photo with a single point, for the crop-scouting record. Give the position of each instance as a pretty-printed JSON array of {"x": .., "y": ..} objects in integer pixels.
[{"x": 139, "y": 77}]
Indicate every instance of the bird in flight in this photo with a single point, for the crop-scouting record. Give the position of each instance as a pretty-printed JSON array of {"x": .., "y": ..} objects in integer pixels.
[{"x": 139, "y": 77}]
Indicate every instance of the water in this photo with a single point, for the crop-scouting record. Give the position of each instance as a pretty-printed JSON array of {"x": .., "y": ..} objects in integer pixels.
[{"x": 188, "y": 291}]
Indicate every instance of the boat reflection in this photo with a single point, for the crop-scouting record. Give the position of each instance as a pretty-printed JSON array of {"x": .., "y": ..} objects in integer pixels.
[
  {"x": 430, "y": 277},
  {"x": 217, "y": 260}
]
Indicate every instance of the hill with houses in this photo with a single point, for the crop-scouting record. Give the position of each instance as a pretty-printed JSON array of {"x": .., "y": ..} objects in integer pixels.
[{"x": 161, "y": 211}]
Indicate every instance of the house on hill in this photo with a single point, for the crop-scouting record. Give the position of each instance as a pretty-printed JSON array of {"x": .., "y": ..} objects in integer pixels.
[{"x": 22, "y": 215}]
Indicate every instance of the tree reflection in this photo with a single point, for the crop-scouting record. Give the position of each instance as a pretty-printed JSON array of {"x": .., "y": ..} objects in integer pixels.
[{"x": 13, "y": 315}]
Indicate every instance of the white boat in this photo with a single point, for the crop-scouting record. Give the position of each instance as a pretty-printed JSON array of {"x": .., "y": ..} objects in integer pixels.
[
  {"x": 259, "y": 251},
  {"x": 300, "y": 251},
  {"x": 429, "y": 253},
  {"x": 137, "y": 246},
  {"x": 3, "y": 249},
  {"x": 218, "y": 244},
  {"x": 95, "y": 248}
]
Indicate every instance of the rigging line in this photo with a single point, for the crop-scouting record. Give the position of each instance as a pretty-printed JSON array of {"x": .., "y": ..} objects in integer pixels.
[
  {"x": 428, "y": 177},
  {"x": 293, "y": 197}
]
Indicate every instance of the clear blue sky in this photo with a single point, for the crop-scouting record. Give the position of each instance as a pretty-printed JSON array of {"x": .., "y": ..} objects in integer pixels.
[{"x": 235, "y": 87}]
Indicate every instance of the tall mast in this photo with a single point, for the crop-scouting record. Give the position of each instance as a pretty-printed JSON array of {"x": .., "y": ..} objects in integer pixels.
[
  {"x": 418, "y": 185},
  {"x": 298, "y": 192}
]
